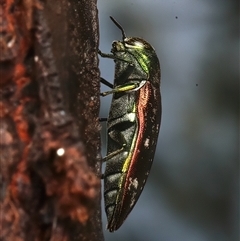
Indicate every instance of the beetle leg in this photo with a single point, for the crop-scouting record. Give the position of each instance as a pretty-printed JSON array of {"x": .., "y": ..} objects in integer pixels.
[
  {"x": 103, "y": 55},
  {"x": 119, "y": 138},
  {"x": 128, "y": 87},
  {"x": 111, "y": 56},
  {"x": 105, "y": 82},
  {"x": 102, "y": 119},
  {"x": 121, "y": 88},
  {"x": 114, "y": 153},
  {"x": 124, "y": 75}
]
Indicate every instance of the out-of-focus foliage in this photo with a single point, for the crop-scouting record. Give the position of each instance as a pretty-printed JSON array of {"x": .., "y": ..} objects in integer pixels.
[{"x": 193, "y": 191}]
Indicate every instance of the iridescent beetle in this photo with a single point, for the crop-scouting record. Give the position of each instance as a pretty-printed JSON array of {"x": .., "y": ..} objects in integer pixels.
[{"x": 133, "y": 124}]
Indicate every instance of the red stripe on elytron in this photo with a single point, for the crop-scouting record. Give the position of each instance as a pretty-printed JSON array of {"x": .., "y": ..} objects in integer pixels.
[{"x": 144, "y": 96}]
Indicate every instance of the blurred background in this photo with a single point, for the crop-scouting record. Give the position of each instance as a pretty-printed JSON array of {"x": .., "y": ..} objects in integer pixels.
[{"x": 192, "y": 193}]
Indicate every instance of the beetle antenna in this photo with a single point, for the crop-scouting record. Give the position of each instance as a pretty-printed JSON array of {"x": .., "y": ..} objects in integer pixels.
[{"x": 119, "y": 26}]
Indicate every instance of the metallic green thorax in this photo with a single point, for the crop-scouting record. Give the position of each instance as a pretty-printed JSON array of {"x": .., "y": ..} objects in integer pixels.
[
  {"x": 133, "y": 125},
  {"x": 142, "y": 51}
]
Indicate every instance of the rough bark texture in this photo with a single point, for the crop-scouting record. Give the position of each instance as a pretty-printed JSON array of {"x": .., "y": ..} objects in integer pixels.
[{"x": 47, "y": 194}]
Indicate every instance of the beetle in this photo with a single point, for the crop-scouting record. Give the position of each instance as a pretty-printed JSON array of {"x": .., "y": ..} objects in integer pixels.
[{"x": 132, "y": 126}]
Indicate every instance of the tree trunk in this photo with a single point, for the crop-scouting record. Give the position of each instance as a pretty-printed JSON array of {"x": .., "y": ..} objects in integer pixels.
[{"x": 50, "y": 169}]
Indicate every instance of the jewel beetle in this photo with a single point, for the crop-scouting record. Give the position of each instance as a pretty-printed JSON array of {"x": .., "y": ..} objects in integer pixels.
[{"x": 132, "y": 125}]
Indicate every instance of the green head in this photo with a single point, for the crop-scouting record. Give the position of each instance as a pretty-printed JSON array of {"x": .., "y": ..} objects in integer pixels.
[{"x": 140, "y": 49}]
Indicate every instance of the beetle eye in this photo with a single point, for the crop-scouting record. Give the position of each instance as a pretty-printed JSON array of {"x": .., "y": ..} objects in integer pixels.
[
  {"x": 138, "y": 44},
  {"x": 134, "y": 43},
  {"x": 114, "y": 44}
]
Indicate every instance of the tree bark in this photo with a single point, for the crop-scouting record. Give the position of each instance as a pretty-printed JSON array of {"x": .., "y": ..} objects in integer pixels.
[
  {"x": 75, "y": 34},
  {"x": 49, "y": 104}
]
